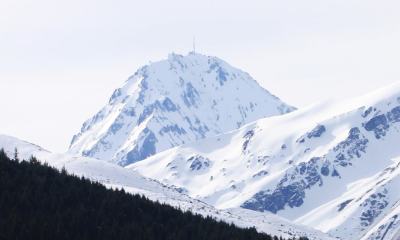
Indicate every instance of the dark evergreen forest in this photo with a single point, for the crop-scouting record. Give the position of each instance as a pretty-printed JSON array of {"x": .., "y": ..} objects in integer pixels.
[{"x": 41, "y": 202}]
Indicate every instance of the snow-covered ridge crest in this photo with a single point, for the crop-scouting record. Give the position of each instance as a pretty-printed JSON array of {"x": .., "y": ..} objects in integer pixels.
[
  {"x": 172, "y": 102},
  {"x": 333, "y": 166}
]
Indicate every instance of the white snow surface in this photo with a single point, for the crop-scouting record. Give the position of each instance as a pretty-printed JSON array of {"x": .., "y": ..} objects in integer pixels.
[
  {"x": 333, "y": 166},
  {"x": 171, "y": 102},
  {"x": 114, "y": 176}
]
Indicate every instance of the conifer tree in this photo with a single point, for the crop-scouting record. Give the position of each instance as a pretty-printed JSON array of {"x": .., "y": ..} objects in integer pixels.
[{"x": 16, "y": 154}]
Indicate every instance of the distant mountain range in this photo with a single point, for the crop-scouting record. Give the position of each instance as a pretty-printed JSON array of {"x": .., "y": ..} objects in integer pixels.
[{"x": 196, "y": 133}]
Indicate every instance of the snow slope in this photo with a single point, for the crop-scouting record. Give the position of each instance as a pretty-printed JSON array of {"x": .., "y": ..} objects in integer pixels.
[
  {"x": 333, "y": 166},
  {"x": 171, "y": 102},
  {"x": 114, "y": 176}
]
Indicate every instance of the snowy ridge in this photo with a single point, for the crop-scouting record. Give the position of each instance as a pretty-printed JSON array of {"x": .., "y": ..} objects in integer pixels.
[
  {"x": 332, "y": 166},
  {"x": 114, "y": 176},
  {"x": 172, "y": 102}
]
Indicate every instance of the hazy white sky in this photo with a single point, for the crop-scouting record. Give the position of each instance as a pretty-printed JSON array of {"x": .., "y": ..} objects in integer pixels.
[{"x": 61, "y": 60}]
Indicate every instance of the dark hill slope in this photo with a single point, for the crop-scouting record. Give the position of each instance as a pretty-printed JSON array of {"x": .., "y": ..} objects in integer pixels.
[{"x": 39, "y": 202}]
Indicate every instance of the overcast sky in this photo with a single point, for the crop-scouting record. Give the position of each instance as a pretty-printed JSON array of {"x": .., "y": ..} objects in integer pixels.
[{"x": 61, "y": 60}]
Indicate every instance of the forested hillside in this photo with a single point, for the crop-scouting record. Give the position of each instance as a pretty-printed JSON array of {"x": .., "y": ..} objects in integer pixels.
[{"x": 40, "y": 202}]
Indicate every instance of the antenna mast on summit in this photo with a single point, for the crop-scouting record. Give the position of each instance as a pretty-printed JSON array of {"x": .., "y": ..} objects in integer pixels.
[{"x": 194, "y": 44}]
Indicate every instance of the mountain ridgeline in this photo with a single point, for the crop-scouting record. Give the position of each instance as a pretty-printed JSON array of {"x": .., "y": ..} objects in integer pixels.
[
  {"x": 334, "y": 166},
  {"x": 172, "y": 102},
  {"x": 40, "y": 202}
]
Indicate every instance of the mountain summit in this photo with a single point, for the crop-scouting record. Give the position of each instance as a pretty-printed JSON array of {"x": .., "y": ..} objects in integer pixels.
[{"x": 172, "y": 102}]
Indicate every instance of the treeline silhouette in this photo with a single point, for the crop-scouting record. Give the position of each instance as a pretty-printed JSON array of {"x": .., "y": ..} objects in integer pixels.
[{"x": 41, "y": 202}]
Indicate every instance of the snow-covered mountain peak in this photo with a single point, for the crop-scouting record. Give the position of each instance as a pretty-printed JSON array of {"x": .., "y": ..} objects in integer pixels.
[{"x": 171, "y": 102}]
